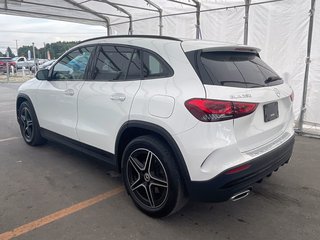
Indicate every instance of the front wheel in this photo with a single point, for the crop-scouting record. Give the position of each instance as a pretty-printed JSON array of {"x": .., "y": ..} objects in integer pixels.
[
  {"x": 151, "y": 177},
  {"x": 29, "y": 125}
]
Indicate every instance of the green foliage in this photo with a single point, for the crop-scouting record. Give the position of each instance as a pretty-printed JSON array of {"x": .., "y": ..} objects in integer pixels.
[
  {"x": 55, "y": 49},
  {"x": 10, "y": 52},
  {"x": 23, "y": 51}
]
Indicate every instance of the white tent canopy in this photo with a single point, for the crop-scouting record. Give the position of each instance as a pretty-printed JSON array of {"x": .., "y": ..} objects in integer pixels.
[{"x": 279, "y": 27}]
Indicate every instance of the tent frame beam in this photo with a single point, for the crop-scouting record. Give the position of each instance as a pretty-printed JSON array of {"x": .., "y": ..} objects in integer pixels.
[
  {"x": 246, "y": 22},
  {"x": 307, "y": 68},
  {"x": 107, "y": 20},
  {"x": 65, "y": 8},
  {"x": 159, "y": 9},
  {"x": 45, "y": 15},
  {"x": 116, "y": 6},
  {"x": 136, "y": 7}
]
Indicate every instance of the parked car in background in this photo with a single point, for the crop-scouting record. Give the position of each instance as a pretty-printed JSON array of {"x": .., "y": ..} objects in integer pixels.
[
  {"x": 3, "y": 64},
  {"x": 23, "y": 62},
  {"x": 45, "y": 65}
]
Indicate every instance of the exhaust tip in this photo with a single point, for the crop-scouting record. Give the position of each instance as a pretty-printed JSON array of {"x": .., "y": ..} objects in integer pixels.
[{"x": 240, "y": 195}]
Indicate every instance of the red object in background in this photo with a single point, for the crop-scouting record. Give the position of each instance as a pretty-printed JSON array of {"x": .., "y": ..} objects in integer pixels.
[{"x": 3, "y": 63}]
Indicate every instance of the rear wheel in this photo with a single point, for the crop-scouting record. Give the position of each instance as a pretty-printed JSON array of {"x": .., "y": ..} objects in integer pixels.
[
  {"x": 151, "y": 177},
  {"x": 29, "y": 125}
]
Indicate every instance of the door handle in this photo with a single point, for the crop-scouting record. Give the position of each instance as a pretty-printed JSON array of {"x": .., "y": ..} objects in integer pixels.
[
  {"x": 118, "y": 97},
  {"x": 69, "y": 92}
]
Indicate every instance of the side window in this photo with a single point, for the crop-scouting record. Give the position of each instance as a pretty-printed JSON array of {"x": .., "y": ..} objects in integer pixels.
[
  {"x": 134, "y": 71},
  {"x": 73, "y": 65},
  {"x": 112, "y": 63},
  {"x": 153, "y": 67}
]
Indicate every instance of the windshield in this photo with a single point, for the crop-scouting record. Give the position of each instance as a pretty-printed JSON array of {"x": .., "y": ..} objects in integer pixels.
[{"x": 238, "y": 69}]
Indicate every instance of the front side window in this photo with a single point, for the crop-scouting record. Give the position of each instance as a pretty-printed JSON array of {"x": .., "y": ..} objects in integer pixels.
[
  {"x": 73, "y": 65},
  {"x": 112, "y": 63}
]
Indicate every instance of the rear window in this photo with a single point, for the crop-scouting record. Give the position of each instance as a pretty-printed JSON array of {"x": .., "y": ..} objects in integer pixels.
[{"x": 238, "y": 69}]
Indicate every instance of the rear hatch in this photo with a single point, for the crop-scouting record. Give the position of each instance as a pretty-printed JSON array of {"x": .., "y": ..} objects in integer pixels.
[{"x": 238, "y": 75}]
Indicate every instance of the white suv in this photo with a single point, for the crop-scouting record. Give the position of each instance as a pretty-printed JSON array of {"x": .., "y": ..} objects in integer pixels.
[{"x": 179, "y": 119}]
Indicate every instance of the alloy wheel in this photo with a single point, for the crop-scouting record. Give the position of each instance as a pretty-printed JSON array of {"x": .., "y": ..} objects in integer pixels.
[
  {"x": 147, "y": 178},
  {"x": 27, "y": 124}
]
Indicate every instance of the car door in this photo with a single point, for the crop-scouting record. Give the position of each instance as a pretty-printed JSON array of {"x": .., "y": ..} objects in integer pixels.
[
  {"x": 57, "y": 98},
  {"x": 105, "y": 100}
]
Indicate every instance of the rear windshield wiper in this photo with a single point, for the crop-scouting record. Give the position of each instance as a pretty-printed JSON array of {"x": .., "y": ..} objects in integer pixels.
[{"x": 272, "y": 79}]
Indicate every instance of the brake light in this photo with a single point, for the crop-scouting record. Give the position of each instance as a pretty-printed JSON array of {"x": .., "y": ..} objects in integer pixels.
[
  {"x": 207, "y": 110},
  {"x": 292, "y": 96}
]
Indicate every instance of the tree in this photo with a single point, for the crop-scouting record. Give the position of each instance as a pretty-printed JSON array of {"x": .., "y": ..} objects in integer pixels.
[
  {"x": 23, "y": 51},
  {"x": 1, "y": 54},
  {"x": 55, "y": 49},
  {"x": 10, "y": 52}
]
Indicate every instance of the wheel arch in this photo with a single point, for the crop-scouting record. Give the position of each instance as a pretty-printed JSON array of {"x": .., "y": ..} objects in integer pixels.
[
  {"x": 20, "y": 99},
  {"x": 134, "y": 128}
]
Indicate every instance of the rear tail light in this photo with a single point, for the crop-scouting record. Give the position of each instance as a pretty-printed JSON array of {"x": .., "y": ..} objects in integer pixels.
[
  {"x": 207, "y": 110},
  {"x": 292, "y": 96}
]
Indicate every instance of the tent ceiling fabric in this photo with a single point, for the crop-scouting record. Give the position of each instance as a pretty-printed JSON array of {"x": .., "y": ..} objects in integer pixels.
[
  {"x": 280, "y": 29},
  {"x": 67, "y": 10},
  {"x": 50, "y": 9}
]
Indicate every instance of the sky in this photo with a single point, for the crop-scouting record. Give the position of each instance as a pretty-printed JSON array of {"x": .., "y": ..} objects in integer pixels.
[{"x": 27, "y": 30}]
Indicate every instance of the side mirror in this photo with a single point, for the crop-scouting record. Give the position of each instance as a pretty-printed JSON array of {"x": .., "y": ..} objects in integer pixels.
[{"x": 42, "y": 74}]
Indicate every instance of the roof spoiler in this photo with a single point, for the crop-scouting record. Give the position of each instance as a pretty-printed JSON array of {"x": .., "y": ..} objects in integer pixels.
[{"x": 240, "y": 48}]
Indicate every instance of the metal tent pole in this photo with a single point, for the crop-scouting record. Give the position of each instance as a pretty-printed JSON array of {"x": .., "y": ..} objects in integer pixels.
[
  {"x": 106, "y": 19},
  {"x": 198, "y": 11},
  {"x": 8, "y": 67},
  {"x": 116, "y": 6},
  {"x": 159, "y": 9},
  {"x": 198, "y": 6},
  {"x": 160, "y": 22},
  {"x": 246, "y": 22},
  {"x": 34, "y": 57},
  {"x": 306, "y": 73}
]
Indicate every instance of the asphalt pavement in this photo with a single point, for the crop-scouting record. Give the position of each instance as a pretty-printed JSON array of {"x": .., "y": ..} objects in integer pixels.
[{"x": 52, "y": 192}]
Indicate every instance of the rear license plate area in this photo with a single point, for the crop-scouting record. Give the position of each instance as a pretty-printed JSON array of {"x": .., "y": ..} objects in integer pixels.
[{"x": 270, "y": 111}]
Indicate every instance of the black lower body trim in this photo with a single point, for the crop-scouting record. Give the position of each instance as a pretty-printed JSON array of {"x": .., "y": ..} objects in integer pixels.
[
  {"x": 82, "y": 147},
  {"x": 224, "y": 186}
]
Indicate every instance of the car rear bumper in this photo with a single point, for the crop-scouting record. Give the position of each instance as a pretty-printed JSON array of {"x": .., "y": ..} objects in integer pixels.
[{"x": 224, "y": 186}]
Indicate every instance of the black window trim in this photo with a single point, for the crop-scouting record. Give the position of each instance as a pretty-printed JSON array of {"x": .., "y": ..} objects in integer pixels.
[{"x": 140, "y": 51}]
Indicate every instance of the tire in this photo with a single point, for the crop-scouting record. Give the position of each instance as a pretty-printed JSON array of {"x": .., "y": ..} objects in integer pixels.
[
  {"x": 151, "y": 177},
  {"x": 29, "y": 125}
]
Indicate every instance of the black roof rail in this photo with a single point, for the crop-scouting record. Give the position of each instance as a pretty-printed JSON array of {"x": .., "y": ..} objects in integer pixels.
[{"x": 133, "y": 36}]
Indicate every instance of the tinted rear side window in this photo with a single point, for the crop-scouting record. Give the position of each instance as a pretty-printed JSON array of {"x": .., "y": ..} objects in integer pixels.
[
  {"x": 134, "y": 71},
  {"x": 237, "y": 69},
  {"x": 154, "y": 67},
  {"x": 112, "y": 63}
]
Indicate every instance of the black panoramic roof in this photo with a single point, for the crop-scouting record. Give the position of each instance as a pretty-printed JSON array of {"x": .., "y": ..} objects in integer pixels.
[{"x": 133, "y": 36}]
